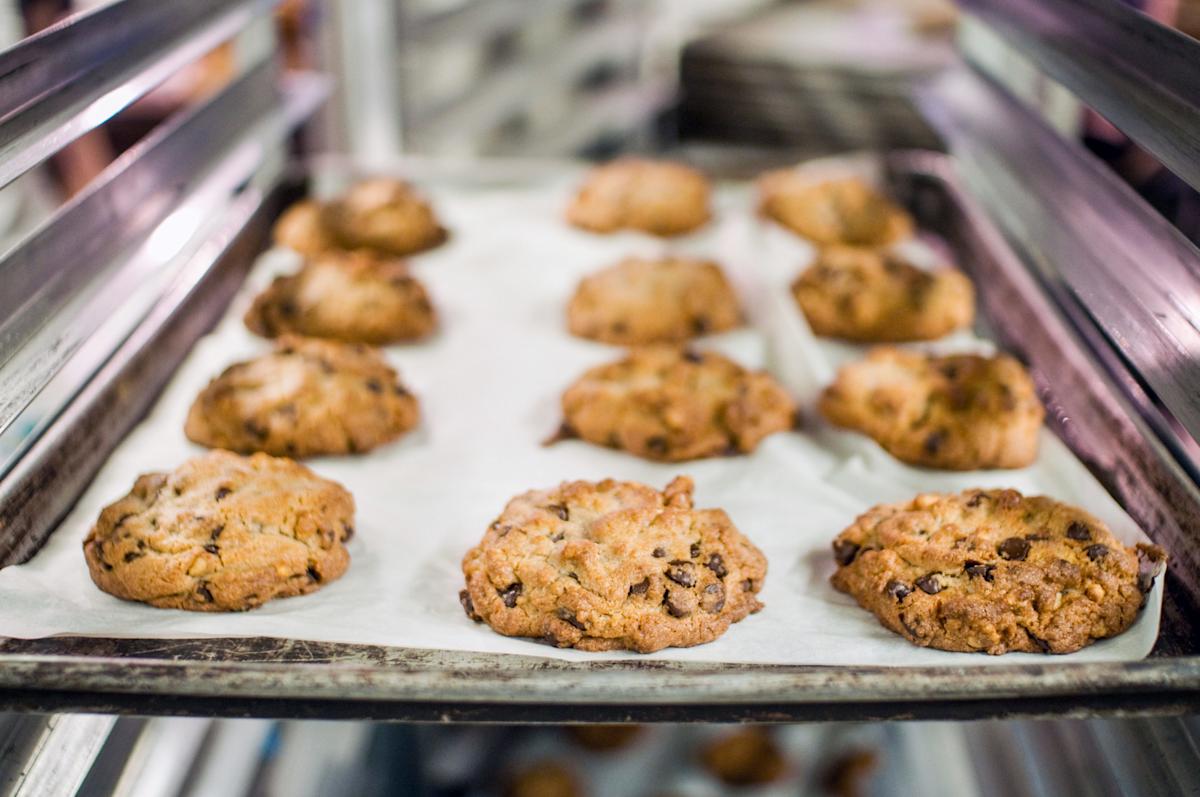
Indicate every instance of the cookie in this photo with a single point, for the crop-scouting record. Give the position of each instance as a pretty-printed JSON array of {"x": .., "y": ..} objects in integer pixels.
[
  {"x": 351, "y": 297},
  {"x": 668, "y": 300},
  {"x": 992, "y": 571},
  {"x": 385, "y": 216},
  {"x": 612, "y": 566},
  {"x": 669, "y": 404},
  {"x": 222, "y": 533},
  {"x": 657, "y": 197},
  {"x": 300, "y": 228},
  {"x": 877, "y": 297},
  {"x": 957, "y": 412},
  {"x": 840, "y": 211},
  {"x": 307, "y": 398},
  {"x": 544, "y": 779},
  {"x": 747, "y": 757},
  {"x": 603, "y": 738}
]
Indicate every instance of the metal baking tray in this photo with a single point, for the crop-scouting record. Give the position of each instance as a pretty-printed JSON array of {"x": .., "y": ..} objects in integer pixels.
[{"x": 273, "y": 677}]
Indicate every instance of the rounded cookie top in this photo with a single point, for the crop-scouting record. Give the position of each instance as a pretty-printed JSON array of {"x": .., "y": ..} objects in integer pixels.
[
  {"x": 612, "y": 565},
  {"x": 958, "y": 412},
  {"x": 657, "y": 197},
  {"x": 867, "y": 296},
  {"x": 222, "y": 532},
  {"x": 299, "y": 228},
  {"x": 667, "y": 300},
  {"x": 841, "y": 211},
  {"x": 351, "y": 297},
  {"x": 384, "y": 215},
  {"x": 307, "y": 398},
  {"x": 992, "y": 571},
  {"x": 669, "y": 404}
]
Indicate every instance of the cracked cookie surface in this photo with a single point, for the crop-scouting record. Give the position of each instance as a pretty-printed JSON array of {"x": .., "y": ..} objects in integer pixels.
[
  {"x": 307, "y": 398},
  {"x": 877, "y": 297},
  {"x": 612, "y": 566},
  {"x": 667, "y": 300},
  {"x": 956, "y": 412},
  {"x": 670, "y": 404},
  {"x": 993, "y": 571},
  {"x": 222, "y": 533},
  {"x": 351, "y": 297},
  {"x": 657, "y": 197},
  {"x": 841, "y": 211}
]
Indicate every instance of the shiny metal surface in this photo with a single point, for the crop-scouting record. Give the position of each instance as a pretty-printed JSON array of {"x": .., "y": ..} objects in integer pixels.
[
  {"x": 49, "y": 755},
  {"x": 1141, "y": 75}
]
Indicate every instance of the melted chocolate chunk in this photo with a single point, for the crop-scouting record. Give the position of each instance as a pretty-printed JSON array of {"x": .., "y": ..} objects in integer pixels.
[
  {"x": 640, "y": 587},
  {"x": 700, "y": 325},
  {"x": 979, "y": 569},
  {"x": 975, "y": 500},
  {"x": 374, "y": 385},
  {"x": 929, "y": 584},
  {"x": 1096, "y": 552},
  {"x": 717, "y": 565},
  {"x": 844, "y": 551},
  {"x": 713, "y": 598},
  {"x": 934, "y": 442},
  {"x": 314, "y": 576},
  {"x": 212, "y": 548},
  {"x": 1079, "y": 531},
  {"x": 682, "y": 573},
  {"x": 216, "y": 532},
  {"x": 560, "y": 510},
  {"x": 1014, "y": 549},
  {"x": 677, "y": 605},
  {"x": 659, "y": 553},
  {"x": 692, "y": 356},
  {"x": 569, "y": 617},
  {"x": 203, "y": 592},
  {"x": 510, "y": 593},
  {"x": 468, "y": 605},
  {"x": 657, "y": 445},
  {"x": 221, "y": 493},
  {"x": 694, "y": 551},
  {"x": 129, "y": 557},
  {"x": 898, "y": 589}
]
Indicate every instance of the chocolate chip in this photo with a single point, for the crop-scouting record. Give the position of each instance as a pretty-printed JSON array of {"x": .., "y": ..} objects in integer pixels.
[
  {"x": 975, "y": 500},
  {"x": 399, "y": 390},
  {"x": 374, "y": 385},
  {"x": 510, "y": 593},
  {"x": 569, "y": 617},
  {"x": 929, "y": 584},
  {"x": 129, "y": 557},
  {"x": 713, "y": 598},
  {"x": 287, "y": 308},
  {"x": 682, "y": 573},
  {"x": 659, "y": 553},
  {"x": 692, "y": 356},
  {"x": 212, "y": 548},
  {"x": 202, "y": 590},
  {"x": 935, "y": 441},
  {"x": 949, "y": 370},
  {"x": 640, "y": 587},
  {"x": 558, "y": 537},
  {"x": 1096, "y": 552},
  {"x": 716, "y": 564},
  {"x": 979, "y": 569},
  {"x": 216, "y": 532},
  {"x": 560, "y": 510},
  {"x": 347, "y": 532},
  {"x": 1014, "y": 549},
  {"x": 1079, "y": 531},
  {"x": 121, "y": 520},
  {"x": 314, "y": 576},
  {"x": 898, "y": 589},
  {"x": 221, "y": 493},
  {"x": 694, "y": 550},
  {"x": 657, "y": 445},
  {"x": 747, "y": 585},
  {"x": 844, "y": 551},
  {"x": 468, "y": 605},
  {"x": 501, "y": 529},
  {"x": 1042, "y": 644},
  {"x": 677, "y": 605},
  {"x": 619, "y": 327},
  {"x": 700, "y": 324},
  {"x": 255, "y": 429}
]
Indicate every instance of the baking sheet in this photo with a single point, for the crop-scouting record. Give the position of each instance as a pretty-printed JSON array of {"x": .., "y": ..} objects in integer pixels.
[{"x": 489, "y": 383}]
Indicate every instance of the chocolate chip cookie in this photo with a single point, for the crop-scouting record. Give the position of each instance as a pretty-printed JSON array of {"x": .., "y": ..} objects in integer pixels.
[
  {"x": 668, "y": 300},
  {"x": 222, "y": 533},
  {"x": 958, "y": 412},
  {"x": 992, "y": 571},
  {"x": 841, "y": 211},
  {"x": 657, "y": 197},
  {"x": 669, "y": 404},
  {"x": 612, "y": 565},
  {"x": 307, "y": 398},
  {"x": 746, "y": 757},
  {"x": 383, "y": 215},
  {"x": 877, "y": 297},
  {"x": 351, "y": 297},
  {"x": 300, "y": 229}
]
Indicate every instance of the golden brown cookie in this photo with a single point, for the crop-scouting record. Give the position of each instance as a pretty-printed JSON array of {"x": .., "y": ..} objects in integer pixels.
[
  {"x": 610, "y": 566},
  {"x": 382, "y": 215},
  {"x": 877, "y": 297},
  {"x": 300, "y": 229},
  {"x": 747, "y": 757},
  {"x": 992, "y": 571},
  {"x": 351, "y": 297},
  {"x": 307, "y": 398},
  {"x": 841, "y": 211},
  {"x": 222, "y": 533},
  {"x": 604, "y": 738},
  {"x": 958, "y": 412},
  {"x": 667, "y": 300},
  {"x": 544, "y": 779},
  {"x": 669, "y": 404},
  {"x": 657, "y": 197}
]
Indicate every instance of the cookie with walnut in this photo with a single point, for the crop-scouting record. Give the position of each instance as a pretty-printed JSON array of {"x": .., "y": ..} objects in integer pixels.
[
  {"x": 222, "y": 532},
  {"x": 612, "y": 566},
  {"x": 666, "y": 300},
  {"x": 956, "y": 412},
  {"x": 351, "y": 297},
  {"x": 669, "y": 404},
  {"x": 839, "y": 211},
  {"x": 657, "y": 197},
  {"x": 878, "y": 297},
  {"x": 992, "y": 571},
  {"x": 307, "y": 398}
]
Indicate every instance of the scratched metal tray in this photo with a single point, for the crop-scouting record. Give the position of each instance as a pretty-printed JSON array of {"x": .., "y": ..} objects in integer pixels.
[{"x": 270, "y": 677}]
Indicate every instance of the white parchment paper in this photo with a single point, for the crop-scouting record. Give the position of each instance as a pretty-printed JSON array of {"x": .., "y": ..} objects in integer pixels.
[{"x": 489, "y": 383}]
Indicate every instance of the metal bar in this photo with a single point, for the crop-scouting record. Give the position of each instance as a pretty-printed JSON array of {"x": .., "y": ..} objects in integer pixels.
[
  {"x": 62, "y": 82},
  {"x": 50, "y": 756},
  {"x": 1142, "y": 76}
]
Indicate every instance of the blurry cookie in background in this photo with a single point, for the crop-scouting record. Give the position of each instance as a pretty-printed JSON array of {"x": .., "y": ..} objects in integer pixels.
[
  {"x": 603, "y": 738},
  {"x": 849, "y": 773},
  {"x": 956, "y": 412},
  {"x": 670, "y": 404},
  {"x": 348, "y": 296},
  {"x": 656, "y": 197},
  {"x": 832, "y": 211},
  {"x": 665, "y": 300},
  {"x": 869, "y": 296},
  {"x": 306, "y": 398},
  {"x": 299, "y": 228},
  {"x": 748, "y": 756},
  {"x": 544, "y": 779}
]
